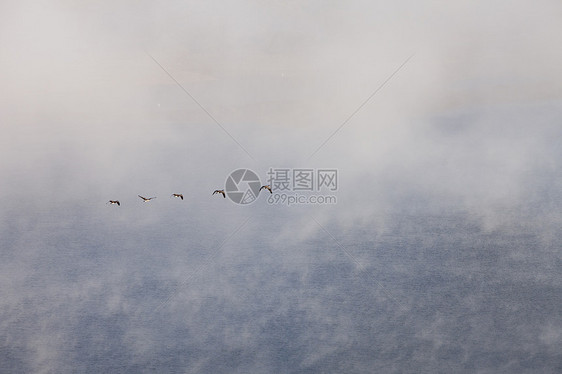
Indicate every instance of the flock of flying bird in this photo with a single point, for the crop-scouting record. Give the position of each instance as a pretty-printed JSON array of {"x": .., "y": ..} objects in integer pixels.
[{"x": 180, "y": 196}]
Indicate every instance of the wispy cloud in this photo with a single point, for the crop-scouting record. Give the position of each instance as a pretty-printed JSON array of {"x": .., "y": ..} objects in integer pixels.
[{"x": 449, "y": 196}]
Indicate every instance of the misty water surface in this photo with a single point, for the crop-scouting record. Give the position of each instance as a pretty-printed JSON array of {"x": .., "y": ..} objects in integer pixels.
[{"x": 441, "y": 255}]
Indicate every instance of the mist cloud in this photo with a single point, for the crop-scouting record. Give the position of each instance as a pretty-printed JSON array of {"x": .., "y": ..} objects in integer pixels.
[{"x": 443, "y": 247}]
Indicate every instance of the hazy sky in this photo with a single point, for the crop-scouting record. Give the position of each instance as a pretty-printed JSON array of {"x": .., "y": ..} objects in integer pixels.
[{"x": 442, "y": 253}]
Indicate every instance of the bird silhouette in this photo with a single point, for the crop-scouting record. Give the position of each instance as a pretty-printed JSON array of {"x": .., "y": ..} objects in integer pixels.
[
  {"x": 177, "y": 195},
  {"x": 268, "y": 187},
  {"x": 146, "y": 199},
  {"x": 220, "y": 191},
  {"x": 114, "y": 202}
]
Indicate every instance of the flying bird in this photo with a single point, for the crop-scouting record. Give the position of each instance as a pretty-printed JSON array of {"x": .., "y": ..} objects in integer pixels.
[
  {"x": 114, "y": 202},
  {"x": 268, "y": 187},
  {"x": 177, "y": 195},
  {"x": 220, "y": 191},
  {"x": 146, "y": 199}
]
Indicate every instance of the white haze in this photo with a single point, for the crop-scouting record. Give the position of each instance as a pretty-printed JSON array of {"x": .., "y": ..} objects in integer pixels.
[{"x": 441, "y": 255}]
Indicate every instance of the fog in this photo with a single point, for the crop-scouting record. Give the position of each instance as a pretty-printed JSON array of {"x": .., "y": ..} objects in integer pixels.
[{"x": 442, "y": 253}]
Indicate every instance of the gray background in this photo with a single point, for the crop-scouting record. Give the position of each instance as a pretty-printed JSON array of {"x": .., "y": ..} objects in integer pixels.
[{"x": 441, "y": 255}]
